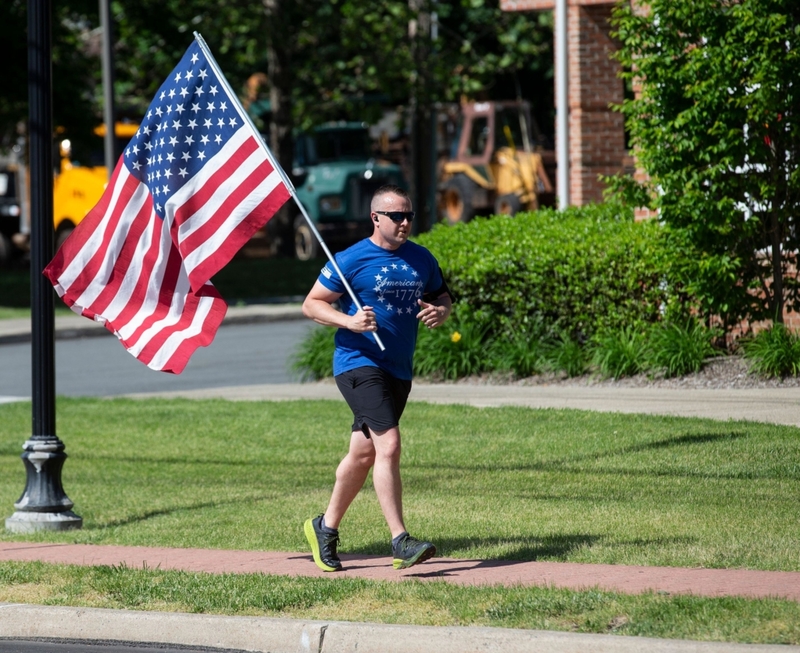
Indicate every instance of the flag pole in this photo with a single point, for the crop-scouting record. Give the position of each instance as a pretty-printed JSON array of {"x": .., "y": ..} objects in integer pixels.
[{"x": 286, "y": 181}]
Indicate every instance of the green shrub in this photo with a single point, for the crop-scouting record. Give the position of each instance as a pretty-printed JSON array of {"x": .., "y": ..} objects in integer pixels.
[
  {"x": 521, "y": 351},
  {"x": 619, "y": 353},
  {"x": 680, "y": 348},
  {"x": 453, "y": 350},
  {"x": 582, "y": 271},
  {"x": 313, "y": 359},
  {"x": 773, "y": 352},
  {"x": 563, "y": 354}
]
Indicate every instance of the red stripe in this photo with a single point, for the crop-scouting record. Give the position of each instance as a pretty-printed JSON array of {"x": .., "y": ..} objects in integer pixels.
[
  {"x": 124, "y": 259},
  {"x": 82, "y": 232},
  {"x": 146, "y": 270},
  {"x": 165, "y": 293},
  {"x": 252, "y": 223},
  {"x": 204, "y": 192},
  {"x": 212, "y": 223},
  {"x": 177, "y": 362}
]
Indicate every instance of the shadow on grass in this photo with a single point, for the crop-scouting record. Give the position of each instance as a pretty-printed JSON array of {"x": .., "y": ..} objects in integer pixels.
[
  {"x": 574, "y": 463},
  {"x": 171, "y": 510},
  {"x": 514, "y": 548}
]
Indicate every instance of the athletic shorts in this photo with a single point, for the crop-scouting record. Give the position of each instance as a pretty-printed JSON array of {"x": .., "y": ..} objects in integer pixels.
[{"x": 376, "y": 398}]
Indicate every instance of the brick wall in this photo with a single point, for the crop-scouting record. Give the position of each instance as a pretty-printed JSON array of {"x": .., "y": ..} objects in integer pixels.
[{"x": 596, "y": 133}]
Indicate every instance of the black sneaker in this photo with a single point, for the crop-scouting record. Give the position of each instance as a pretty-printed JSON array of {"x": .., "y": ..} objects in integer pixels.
[
  {"x": 408, "y": 551},
  {"x": 323, "y": 544}
]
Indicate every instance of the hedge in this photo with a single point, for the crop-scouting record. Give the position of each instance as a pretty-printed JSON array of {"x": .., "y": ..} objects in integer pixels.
[{"x": 579, "y": 272}]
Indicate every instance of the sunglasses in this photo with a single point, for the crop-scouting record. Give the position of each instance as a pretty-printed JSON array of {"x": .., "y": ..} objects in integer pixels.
[{"x": 398, "y": 216}]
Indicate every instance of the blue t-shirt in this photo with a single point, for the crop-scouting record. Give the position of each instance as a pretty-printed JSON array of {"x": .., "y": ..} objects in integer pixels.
[{"x": 391, "y": 281}]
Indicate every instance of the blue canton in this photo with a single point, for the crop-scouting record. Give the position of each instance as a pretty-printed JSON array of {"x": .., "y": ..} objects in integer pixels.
[{"x": 188, "y": 122}]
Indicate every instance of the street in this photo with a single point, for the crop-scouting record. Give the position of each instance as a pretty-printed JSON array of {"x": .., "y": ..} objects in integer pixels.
[{"x": 99, "y": 366}]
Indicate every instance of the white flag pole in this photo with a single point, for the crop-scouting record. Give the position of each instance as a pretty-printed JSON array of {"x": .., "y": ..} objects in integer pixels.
[{"x": 286, "y": 181}]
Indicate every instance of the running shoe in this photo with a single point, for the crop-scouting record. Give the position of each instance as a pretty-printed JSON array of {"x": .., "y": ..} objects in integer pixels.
[
  {"x": 408, "y": 551},
  {"x": 323, "y": 543}
]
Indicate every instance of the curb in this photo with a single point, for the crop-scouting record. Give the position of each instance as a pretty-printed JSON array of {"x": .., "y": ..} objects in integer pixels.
[{"x": 271, "y": 635}]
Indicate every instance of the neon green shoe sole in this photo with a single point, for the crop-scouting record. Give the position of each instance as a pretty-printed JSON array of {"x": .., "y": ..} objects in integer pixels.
[{"x": 313, "y": 539}]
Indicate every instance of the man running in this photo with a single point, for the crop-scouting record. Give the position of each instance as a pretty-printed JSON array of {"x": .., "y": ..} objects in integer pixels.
[{"x": 399, "y": 284}]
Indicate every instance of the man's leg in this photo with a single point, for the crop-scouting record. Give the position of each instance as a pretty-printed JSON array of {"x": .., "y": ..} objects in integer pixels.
[
  {"x": 350, "y": 477},
  {"x": 386, "y": 478}
]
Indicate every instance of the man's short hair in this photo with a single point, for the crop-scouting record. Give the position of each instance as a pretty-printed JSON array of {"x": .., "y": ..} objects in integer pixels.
[{"x": 390, "y": 189}]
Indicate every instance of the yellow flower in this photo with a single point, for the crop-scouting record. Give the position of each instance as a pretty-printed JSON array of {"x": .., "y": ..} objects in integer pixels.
[{"x": 456, "y": 336}]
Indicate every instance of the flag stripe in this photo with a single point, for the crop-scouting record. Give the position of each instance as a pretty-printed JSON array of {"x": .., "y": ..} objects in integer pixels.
[
  {"x": 191, "y": 188},
  {"x": 219, "y": 231}
]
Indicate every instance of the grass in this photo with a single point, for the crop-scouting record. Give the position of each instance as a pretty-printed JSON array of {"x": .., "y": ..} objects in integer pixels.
[
  {"x": 495, "y": 483},
  {"x": 414, "y": 602}
]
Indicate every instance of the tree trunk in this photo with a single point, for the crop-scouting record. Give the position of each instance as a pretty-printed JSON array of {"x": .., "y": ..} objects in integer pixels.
[{"x": 280, "y": 39}]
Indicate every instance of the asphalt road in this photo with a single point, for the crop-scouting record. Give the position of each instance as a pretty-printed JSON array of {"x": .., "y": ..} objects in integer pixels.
[{"x": 241, "y": 354}]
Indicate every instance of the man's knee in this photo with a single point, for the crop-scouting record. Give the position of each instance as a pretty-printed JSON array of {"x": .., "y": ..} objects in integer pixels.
[{"x": 387, "y": 444}]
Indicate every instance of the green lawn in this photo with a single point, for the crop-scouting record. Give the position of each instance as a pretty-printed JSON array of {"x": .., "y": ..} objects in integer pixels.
[{"x": 496, "y": 483}]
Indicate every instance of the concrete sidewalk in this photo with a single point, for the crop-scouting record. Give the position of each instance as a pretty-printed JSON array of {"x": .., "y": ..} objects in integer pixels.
[
  {"x": 772, "y": 405},
  {"x": 291, "y": 635}
]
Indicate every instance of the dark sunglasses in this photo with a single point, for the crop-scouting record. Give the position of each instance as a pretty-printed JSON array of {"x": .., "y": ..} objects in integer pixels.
[{"x": 398, "y": 216}]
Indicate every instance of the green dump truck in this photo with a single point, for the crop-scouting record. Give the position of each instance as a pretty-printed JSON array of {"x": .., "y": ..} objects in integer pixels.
[{"x": 335, "y": 173}]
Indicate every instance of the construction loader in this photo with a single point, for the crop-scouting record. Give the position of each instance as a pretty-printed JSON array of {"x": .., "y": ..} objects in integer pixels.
[{"x": 500, "y": 164}]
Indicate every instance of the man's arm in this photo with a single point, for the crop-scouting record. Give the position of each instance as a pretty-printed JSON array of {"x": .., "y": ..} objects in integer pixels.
[{"x": 318, "y": 306}]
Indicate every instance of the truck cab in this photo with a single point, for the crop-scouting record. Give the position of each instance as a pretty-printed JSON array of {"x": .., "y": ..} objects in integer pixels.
[{"x": 335, "y": 174}]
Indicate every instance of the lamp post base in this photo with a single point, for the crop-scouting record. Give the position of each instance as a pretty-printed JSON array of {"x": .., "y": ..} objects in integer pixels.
[{"x": 29, "y": 522}]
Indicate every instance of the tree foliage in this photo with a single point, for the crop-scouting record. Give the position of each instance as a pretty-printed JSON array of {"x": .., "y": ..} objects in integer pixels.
[
  {"x": 337, "y": 58},
  {"x": 72, "y": 81},
  {"x": 351, "y": 56},
  {"x": 717, "y": 128}
]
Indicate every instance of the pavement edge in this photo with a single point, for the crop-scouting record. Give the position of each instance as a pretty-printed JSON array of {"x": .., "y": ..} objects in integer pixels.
[{"x": 274, "y": 635}]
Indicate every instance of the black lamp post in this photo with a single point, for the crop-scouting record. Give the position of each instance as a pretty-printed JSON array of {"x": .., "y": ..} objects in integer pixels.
[{"x": 43, "y": 504}]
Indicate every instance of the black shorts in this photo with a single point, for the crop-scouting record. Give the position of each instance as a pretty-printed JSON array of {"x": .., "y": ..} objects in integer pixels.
[{"x": 376, "y": 398}]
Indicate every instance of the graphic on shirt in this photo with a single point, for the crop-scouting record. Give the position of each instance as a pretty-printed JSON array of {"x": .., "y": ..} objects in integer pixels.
[{"x": 398, "y": 287}]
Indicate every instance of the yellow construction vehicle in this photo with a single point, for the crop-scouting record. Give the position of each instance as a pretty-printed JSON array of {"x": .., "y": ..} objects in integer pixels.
[
  {"x": 77, "y": 188},
  {"x": 500, "y": 165}
]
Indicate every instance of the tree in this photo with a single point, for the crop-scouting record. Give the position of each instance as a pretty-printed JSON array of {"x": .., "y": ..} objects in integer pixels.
[
  {"x": 325, "y": 59},
  {"x": 71, "y": 78},
  {"x": 716, "y": 126}
]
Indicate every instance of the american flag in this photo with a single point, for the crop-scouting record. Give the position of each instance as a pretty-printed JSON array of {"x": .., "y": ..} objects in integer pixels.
[{"x": 192, "y": 186}]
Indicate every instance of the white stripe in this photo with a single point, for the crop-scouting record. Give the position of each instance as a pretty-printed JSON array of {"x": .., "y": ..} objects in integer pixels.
[
  {"x": 172, "y": 316},
  {"x": 204, "y": 213},
  {"x": 101, "y": 279},
  {"x": 175, "y": 340},
  {"x": 211, "y": 245},
  {"x": 134, "y": 271},
  {"x": 211, "y": 167},
  {"x": 150, "y": 303},
  {"x": 95, "y": 240}
]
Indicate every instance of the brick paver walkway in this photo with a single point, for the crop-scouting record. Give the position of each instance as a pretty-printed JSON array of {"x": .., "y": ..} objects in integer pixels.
[{"x": 618, "y": 578}]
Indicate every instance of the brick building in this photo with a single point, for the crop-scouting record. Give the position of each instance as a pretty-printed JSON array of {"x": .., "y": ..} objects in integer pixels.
[{"x": 596, "y": 133}]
